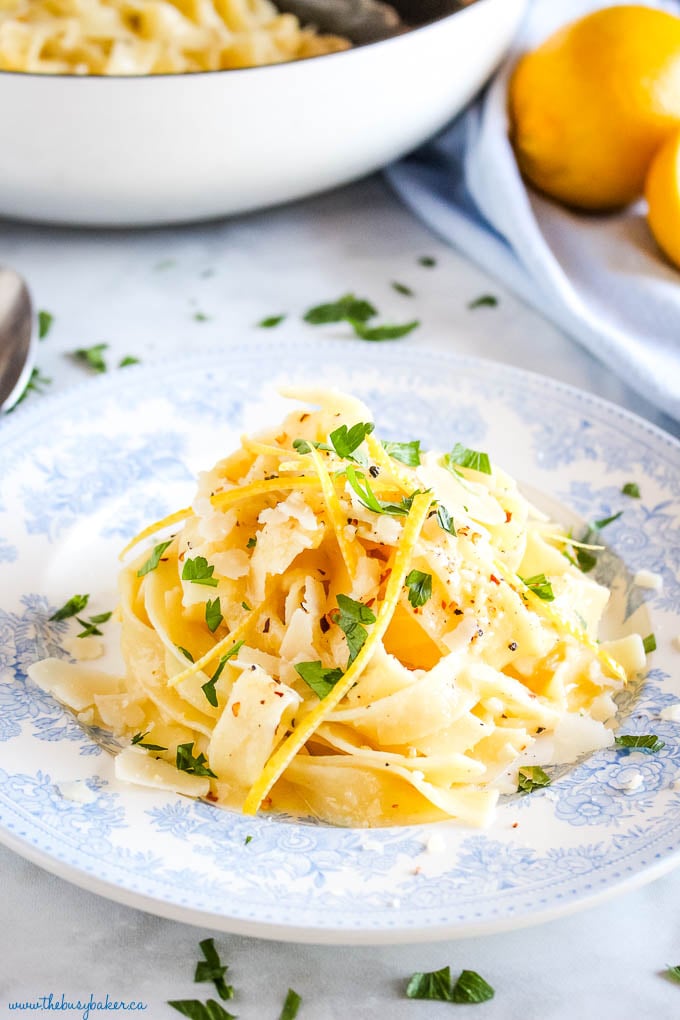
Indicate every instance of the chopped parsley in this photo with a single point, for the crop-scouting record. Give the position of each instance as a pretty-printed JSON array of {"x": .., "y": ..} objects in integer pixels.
[
  {"x": 199, "y": 571},
  {"x": 419, "y": 587},
  {"x": 75, "y": 605},
  {"x": 401, "y": 288},
  {"x": 377, "y": 333},
  {"x": 213, "y": 614},
  {"x": 350, "y": 618},
  {"x": 291, "y": 1006},
  {"x": 463, "y": 456},
  {"x": 251, "y": 543},
  {"x": 427, "y": 261},
  {"x": 129, "y": 359},
  {"x": 585, "y": 559},
  {"x": 436, "y": 986},
  {"x": 212, "y": 969},
  {"x": 640, "y": 742},
  {"x": 186, "y": 762},
  {"x": 360, "y": 484},
  {"x": 631, "y": 489},
  {"x": 201, "y": 317},
  {"x": 471, "y": 987},
  {"x": 540, "y": 586},
  {"x": 139, "y": 740},
  {"x": 93, "y": 356},
  {"x": 271, "y": 321},
  {"x": 483, "y": 301},
  {"x": 208, "y": 687},
  {"x": 406, "y": 453},
  {"x": 649, "y": 644},
  {"x": 154, "y": 559},
  {"x": 321, "y": 680},
  {"x": 196, "y": 1010},
  {"x": 244, "y": 605},
  {"x": 606, "y": 520},
  {"x": 247, "y": 840},
  {"x": 90, "y": 626},
  {"x": 35, "y": 384},
  {"x": 530, "y": 778},
  {"x": 45, "y": 320},
  {"x": 185, "y": 652},
  {"x": 673, "y": 972},
  {"x": 346, "y": 307},
  {"x": 445, "y": 520}
]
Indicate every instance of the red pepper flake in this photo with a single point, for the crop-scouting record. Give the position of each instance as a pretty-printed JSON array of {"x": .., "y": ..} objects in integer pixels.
[
  {"x": 515, "y": 824},
  {"x": 443, "y": 603},
  {"x": 211, "y": 796},
  {"x": 236, "y": 708},
  {"x": 279, "y": 694},
  {"x": 265, "y": 629},
  {"x": 304, "y": 417},
  {"x": 492, "y": 577},
  {"x": 508, "y": 516}
]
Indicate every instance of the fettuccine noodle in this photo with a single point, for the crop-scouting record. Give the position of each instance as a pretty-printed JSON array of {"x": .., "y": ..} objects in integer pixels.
[
  {"x": 139, "y": 37},
  {"x": 359, "y": 631}
]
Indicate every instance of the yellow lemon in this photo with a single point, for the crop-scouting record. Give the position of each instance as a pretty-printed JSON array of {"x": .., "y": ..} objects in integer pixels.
[
  {"x": 591, "y": 105},
  {"x": 662, "y": 190}
]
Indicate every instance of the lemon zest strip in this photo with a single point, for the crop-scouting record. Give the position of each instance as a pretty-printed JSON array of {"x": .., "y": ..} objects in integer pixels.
[
  {"x": 337, "y": 517},
  {"x": 174, "y": 518},
  {"x": 245, "y": 492},
  {"x": 281, "y": 758}
]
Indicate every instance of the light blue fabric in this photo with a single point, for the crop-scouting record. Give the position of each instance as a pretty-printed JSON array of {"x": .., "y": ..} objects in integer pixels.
[{"x": 600, "y": 278}]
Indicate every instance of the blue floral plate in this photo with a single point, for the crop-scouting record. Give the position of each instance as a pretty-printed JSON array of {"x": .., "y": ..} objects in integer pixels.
[{"x": 81, "y": 472}]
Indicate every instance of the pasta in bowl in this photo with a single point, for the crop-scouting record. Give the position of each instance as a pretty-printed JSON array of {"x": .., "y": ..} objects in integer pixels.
[{"x": 360, "y": 631}]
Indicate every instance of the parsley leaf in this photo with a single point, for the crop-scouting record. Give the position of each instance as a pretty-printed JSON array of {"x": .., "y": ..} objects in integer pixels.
[
  {"x": 434, "y": 985},
  {"x": 345, "y": 441},
  {"x": 212, "y": 969},
  {"x": 198, "y": 571},
  {"x": 541, "y": 586},
  {"x": 483, "y": 301},
  {"x": 186, "y": 762},
  {"x": 291, "y": 1006},
  {"x": 419, "y": 587},
  {"x": 92, "y": 356},
  {"x": 406, "y": 453},
  {"x": 129, "y": 359},
  {"x": 154, "y": 559},
  {"x": 350, "y": 618},
  {"x": 532, "y": 777},
  {"x": 271, "y": 321},
  {"x": 208, "y": 687},
  {"x": 360, "y": 484},
  {"x": 322, "y": 681},
  {"x": 90, "y": 626},
  {"x": 346, "y": 307},
  {"x": 45, "y": 320},
  {"x": 378, "y": 333},
  {"x": 673, "y": 972},
  {"x": 401, "y": 288},
  {"x": 585, "y": 559},
  {"x": 640, "y": 742},
  {"x": 139, "y": 739},
  {"x": 187, "y": 654},
  {"x": 75, "y": 605},
  {"x": 470, "y": 987},
  {"x": 195, "y": 1010},
  {"x": 606, "y": 520},
  {"x": 445, "y": 520},
  {"x": 427, "y": 261},
  {"x": 463, "y": 456},
  {"x": 649, "y": 644},
  {"x": 631, "y": 489},
  {"x": 213, "y": 614},
  {"x": 35, "y": 384}
]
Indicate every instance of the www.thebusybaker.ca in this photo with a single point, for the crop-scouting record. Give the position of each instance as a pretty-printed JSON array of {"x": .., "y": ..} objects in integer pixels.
[{"x": 85, "y": 1007}]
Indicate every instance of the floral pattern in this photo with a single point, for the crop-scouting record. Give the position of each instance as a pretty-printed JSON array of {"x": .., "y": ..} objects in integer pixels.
[{"x": 605, "y": 817}]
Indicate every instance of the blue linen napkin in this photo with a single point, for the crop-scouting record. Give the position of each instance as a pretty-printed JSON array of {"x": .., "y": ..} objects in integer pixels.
[{"x": 601, "y": 278}]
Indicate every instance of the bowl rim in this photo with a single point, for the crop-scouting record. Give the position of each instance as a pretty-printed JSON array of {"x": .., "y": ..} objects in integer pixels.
[{"x": 183, "y": 75}]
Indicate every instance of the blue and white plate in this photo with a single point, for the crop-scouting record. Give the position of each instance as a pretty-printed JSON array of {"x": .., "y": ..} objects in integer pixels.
[{"x": 80, "y": 473}]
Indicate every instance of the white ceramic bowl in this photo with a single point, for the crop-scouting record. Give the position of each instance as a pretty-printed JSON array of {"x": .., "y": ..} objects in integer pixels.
[{"x": 171, "y": 148}]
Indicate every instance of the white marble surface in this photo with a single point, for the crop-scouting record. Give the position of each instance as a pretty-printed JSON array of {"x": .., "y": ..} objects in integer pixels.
[{"x": 140, "y": 293}]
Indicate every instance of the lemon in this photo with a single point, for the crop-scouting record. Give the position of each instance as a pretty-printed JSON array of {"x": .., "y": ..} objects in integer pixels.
[
  {"x": 591, "y": 105},
  {"x": 662, "y": 190}
]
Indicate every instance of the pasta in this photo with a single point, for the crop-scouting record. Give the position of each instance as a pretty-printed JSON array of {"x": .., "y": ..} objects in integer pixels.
[
  {"x": 356, "y": 630},
  {"x": 139, "y": 37}
]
